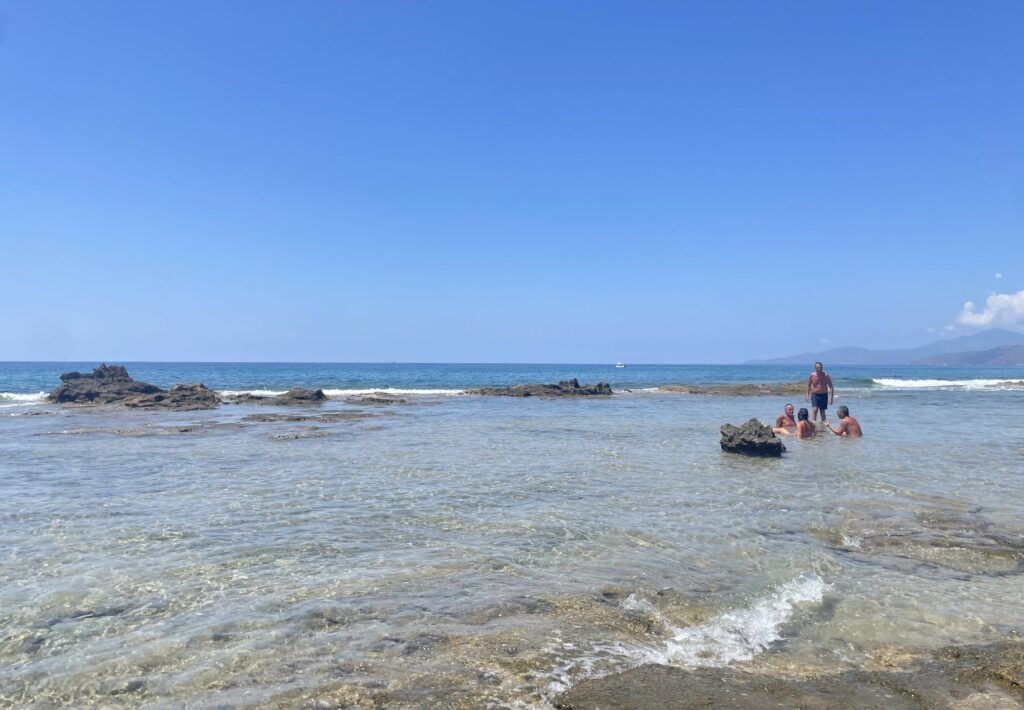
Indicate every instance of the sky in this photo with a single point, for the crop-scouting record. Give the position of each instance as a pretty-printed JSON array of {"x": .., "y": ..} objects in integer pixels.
[{"x": 650, "y": 182}]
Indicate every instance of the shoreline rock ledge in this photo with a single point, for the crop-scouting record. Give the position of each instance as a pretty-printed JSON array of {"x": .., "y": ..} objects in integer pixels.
[
  {"x": 751, "y": 439},
  {"x": 565, "y": 388},
  {"x": 111, "y": 384}
]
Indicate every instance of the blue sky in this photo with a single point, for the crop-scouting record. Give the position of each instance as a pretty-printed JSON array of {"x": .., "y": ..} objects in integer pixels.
[{"x": 506, "y": 182}]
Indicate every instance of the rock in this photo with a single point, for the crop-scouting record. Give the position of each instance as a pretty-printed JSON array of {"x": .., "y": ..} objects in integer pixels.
[
  {"x": 565, "y": 388},
  {"x": 753, "y": 390},
  {"x": 968, "y": 676},
  {"x": 292, "y": 397},
  {"x": 104, "y": 385},
  {"x": 752, "y": 439},
  {"x": 181, "y": 397},
  {"x": 113, "y": 385}
]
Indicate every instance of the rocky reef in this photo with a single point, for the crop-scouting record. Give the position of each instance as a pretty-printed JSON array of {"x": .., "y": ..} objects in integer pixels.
[
  {"x": 111, "y": 384},
  {"x": 751, "y": 439},
  {"x": 750, "y": 390},
  {"x": 296, "y": 396},
  {"x": 565, "y": 388}
]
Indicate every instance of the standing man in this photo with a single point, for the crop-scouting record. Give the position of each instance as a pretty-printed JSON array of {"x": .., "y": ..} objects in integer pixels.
[{"x": 819, "y": 392}]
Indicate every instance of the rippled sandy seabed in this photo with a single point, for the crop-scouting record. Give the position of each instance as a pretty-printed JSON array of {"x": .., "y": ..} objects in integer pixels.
[{"x": 474, "y": 552}]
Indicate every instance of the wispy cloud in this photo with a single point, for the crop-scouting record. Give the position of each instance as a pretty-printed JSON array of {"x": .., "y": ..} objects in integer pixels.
[
  {"x": 999, "y": 275},
  {"x": 1000, "y": 309}
]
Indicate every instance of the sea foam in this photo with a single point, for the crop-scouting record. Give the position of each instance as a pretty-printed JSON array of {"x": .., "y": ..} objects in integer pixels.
[
  {"x": 979, "y": 384},
  {"x": 15, "y": 399},
  {"x": 731, "y": 637}
]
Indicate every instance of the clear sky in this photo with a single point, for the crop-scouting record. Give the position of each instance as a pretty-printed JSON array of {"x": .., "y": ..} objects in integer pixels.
[{"x": 506, "y": 181}]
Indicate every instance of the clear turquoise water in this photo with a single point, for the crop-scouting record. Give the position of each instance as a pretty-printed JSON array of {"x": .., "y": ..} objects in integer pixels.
[{"x": 460, "y": 551}]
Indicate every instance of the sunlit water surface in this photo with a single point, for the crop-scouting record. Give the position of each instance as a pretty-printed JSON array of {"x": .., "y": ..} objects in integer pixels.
[{"x": 467, "y": 551}]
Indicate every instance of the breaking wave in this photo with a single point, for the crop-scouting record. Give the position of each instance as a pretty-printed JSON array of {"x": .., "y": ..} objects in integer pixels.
[
  {"x": 730, "y": 637},
  {"x": 897, "y": 383},
  {"x": 350, "y": 392},
  {"x": 15, "y": 399}
]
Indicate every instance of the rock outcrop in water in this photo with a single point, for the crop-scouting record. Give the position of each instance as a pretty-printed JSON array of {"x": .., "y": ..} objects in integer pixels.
[
  {"x": 751, "y": 439},
  {"x": 113, "y": 385},
  {"x": 969, "y": 677},
  {"x": 746, "y": 390},
  {"x": 565, "y": 388},
  {"x": 296, "y": 396}
]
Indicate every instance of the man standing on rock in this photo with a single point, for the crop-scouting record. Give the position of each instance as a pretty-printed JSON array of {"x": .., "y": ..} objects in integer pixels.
[{"x": 820, "y": 392}]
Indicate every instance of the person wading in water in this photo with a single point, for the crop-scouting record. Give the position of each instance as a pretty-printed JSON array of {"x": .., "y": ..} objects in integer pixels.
[{"x": 820, "y": 392}]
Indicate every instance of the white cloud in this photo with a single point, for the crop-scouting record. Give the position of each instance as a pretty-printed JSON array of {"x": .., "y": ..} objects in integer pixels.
[
  {"x": 1000, "y": 308},
  {"x": 999, "y": 275}
]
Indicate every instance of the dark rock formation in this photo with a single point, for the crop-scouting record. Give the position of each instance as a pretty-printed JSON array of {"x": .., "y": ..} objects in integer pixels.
[
  {"x": 375, "y": 398},
  {"x": 565, "y": 388},
  {"x": 780, "y": 388},
  {"x": 104, "y": 385},
  {"x": 182, "y": 397},
  {"x": 292, "y": 397},
  {"x": 752, "y": 439},
  {"x": 113, "y": 385}
]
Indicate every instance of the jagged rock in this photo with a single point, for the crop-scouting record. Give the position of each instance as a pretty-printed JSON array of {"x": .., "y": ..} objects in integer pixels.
[
  {"x": 113, "y": 385},
  {"x": 565, "y": 388},
  {"x": 294, "y": 396},
  {"x": 183, "y": 397},
  {"x": 751, "y": 439},
  {"x": 104, "y": 385}
]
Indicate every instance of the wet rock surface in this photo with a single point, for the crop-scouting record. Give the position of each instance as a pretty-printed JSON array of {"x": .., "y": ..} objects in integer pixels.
[
  {"x": 955, "y": 677},
  {"x": 111, "y": 384},
  {"x": 780, "y": 388},
  {"x": 565, "y": 388},
  {"x": 291, "y": 398},
  {"x": 751, "y": 439}
]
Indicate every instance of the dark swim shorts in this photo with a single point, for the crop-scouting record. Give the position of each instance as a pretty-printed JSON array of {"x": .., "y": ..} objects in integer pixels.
[{"x": 819, "y": 400}]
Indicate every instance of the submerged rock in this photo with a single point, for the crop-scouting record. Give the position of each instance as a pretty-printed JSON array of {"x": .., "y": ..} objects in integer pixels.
[
  {"x": 751, "y": 439},
  {"x": 565, "y": 388},
  {"x": 113, "y": 385},
  {"x": 292, "y": 397}
]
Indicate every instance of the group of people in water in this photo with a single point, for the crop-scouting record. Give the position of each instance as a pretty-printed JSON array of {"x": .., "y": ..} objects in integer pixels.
[{"x": 820, "y": 393}]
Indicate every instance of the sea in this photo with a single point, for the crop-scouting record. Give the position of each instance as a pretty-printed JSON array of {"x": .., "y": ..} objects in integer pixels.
[{"x": 462, "y": 551}]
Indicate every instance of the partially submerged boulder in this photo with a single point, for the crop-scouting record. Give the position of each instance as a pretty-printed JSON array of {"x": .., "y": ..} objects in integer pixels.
[
  {"x": 113, "y": 385},
  {"x": 751, "y": 439},
  {"x": 296, "y": 396},
  {"x": 565, "y": 388}
]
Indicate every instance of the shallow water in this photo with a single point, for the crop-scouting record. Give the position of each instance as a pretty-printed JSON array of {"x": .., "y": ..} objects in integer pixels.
[{"x": 466, "y": 551}]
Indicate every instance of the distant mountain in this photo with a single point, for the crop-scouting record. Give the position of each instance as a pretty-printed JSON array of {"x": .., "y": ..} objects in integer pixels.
[
  {"x": 1004, "y": 355},
  {"x": 984, "y": 340}
]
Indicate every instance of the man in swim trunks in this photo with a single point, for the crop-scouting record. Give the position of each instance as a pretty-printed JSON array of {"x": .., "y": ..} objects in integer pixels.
[
  {"x": 819, "y": 392},
  {"x": 848, "y": 426},
  {"x": 785, "y": 420}
]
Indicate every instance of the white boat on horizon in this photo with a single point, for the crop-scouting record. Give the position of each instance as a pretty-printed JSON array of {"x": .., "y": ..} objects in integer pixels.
[{"x": 620, "y": 364}]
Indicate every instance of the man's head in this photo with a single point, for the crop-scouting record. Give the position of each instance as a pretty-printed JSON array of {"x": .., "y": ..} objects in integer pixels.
[
  {"x": 788, "y": 409},
  {"x": 842, "y": 411},
  {"x": 818, "y": 366}
]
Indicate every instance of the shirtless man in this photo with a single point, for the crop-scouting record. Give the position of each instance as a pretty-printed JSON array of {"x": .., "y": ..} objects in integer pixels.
[
  {"x": 819, "y": 392},
  {"x": 848, "y": 426},
  {"x": 803, "y": 429},
  {"x": 786, "y": 420}
]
